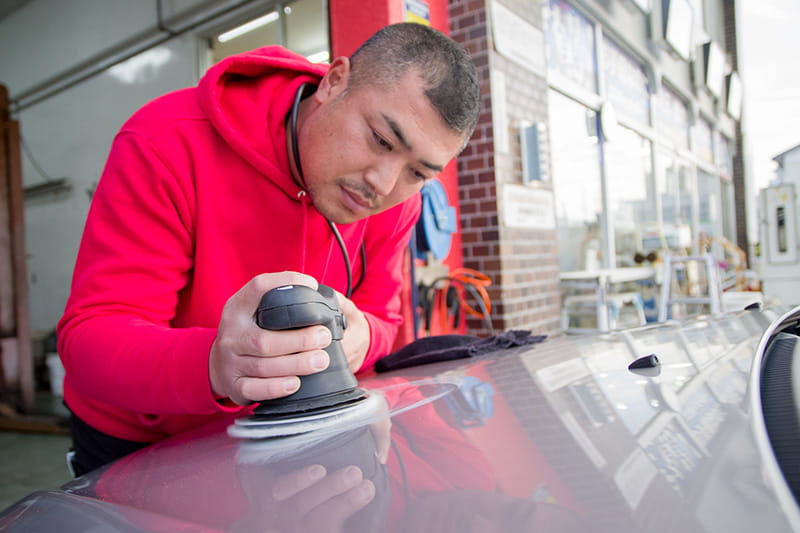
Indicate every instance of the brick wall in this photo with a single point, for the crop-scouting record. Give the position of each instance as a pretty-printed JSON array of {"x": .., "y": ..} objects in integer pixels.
[{"x": 522, "y": 263}]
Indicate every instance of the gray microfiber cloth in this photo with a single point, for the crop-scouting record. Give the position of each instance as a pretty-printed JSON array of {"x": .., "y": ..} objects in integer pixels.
[{"x": 448, "y": 347}]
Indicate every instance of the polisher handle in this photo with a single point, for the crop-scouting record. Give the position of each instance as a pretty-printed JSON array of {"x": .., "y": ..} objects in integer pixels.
[{"x": 298, "y": 306}]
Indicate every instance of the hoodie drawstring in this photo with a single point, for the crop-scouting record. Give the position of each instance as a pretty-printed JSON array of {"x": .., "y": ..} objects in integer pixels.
[
  {"x": 303, "y": 197},
  {"x": 304, "y": 201}
]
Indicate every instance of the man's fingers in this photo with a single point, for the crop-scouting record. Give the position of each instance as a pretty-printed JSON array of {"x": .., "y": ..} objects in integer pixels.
[
  {"x": 265, "y": 378},
  {"x": 293, "y": 482},
  {"x": 238, "y": 337},
  {"x": 335, "y": 484},
  {"x": 257, "y": 341},
  {"x": 301, "y": 364},
  {"x": 258, "y": 389},
  {"x": 340, "y": 507},
  {"x": 322, "y": 502}
]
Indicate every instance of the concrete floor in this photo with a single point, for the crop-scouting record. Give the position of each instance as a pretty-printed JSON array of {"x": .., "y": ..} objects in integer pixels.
[{"x": 33, "y": 461}]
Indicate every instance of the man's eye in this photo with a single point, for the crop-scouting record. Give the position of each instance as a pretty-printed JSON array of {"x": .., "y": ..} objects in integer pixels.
[
  {"x": 381, "y": 141},
  {"x": 419, "y": 175}
]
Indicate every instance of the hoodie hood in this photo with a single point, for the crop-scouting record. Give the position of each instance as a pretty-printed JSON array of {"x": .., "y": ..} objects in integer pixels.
[{"x": 248, "y": 97}]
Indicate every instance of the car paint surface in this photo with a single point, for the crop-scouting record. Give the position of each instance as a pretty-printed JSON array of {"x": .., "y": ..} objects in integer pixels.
[{"x": 555, "y": 436}]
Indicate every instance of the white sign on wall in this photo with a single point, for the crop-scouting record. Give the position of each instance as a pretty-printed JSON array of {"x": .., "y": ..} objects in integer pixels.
[
  {"x": 518, "y": 40},
  {"x": 527, "y": 207}
]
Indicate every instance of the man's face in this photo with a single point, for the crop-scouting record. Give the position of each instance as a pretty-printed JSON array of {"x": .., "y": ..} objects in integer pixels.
[{"x": 370, "y": 148}]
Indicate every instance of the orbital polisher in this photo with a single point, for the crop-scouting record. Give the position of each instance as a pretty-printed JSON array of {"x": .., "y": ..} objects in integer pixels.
[{"x": 324, "y": 398}]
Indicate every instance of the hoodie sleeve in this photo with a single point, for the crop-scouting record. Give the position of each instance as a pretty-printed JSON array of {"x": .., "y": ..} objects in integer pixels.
[
  {"x": 116, "y": 338},
  {"x": 378, "y": 297}
]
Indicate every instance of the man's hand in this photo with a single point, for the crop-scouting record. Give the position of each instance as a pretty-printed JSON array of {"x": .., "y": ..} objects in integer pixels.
[
  {"x": 356, "y": 338},
  {"x": 249, "y": 364},
  {"x": 307, "y": 499},
  {"x": 314, "y": 500}
]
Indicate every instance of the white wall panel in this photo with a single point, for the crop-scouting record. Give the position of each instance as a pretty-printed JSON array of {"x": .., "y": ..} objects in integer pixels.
[
  {"x": 69, "y": 129},
  {"x": 70, "y": 135},
  {"x": 49, "y": 36}
]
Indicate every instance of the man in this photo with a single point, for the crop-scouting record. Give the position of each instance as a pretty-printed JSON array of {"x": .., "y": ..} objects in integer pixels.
[{"x": 213, "y": 195}]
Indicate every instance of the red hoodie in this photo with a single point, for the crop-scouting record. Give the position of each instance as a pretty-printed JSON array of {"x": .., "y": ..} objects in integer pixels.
[{"x": 197, "y": 198}]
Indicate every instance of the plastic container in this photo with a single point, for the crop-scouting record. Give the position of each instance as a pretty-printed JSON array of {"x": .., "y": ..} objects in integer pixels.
[{"x": 56, "y": 372}]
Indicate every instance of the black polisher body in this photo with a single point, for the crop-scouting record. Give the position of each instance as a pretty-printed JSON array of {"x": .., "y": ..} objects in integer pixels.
[{"x": 298, "y": 306}]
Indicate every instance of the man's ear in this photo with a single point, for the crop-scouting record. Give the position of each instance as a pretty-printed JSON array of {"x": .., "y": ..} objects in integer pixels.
[{"x": 335, "y": 81}]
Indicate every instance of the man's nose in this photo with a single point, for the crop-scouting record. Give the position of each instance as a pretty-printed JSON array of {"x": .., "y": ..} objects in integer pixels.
[{"x": 383, "y": 176}]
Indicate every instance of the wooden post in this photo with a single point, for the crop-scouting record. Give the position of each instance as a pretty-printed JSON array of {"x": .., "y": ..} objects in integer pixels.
[{"x": 14, "y": 306}]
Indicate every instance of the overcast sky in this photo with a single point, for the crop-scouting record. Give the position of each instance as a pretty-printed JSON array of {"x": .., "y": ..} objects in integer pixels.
[{"x": 769, "y": 44}]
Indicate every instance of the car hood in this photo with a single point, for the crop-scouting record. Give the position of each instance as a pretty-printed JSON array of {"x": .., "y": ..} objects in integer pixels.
[{"x": 558, "y": 436}]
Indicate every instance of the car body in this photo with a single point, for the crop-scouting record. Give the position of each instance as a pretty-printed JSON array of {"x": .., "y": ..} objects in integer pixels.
[{"x": 554, "y": 436}]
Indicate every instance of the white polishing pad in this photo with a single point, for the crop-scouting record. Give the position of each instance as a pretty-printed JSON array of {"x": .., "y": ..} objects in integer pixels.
[{"x": 253, "y": 428}]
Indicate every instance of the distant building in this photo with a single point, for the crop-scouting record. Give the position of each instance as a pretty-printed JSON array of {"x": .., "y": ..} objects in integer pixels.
[
  {"x": 788, "y": 170},
  {"x": 780, "y": 231}
]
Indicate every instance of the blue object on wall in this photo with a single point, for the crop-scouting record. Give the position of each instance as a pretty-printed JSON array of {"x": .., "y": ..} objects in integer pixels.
[{"x": 437, "y": 222}]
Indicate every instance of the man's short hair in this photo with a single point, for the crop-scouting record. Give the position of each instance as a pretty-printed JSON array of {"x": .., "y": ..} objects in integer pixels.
[{"x": 444, "y": 66}]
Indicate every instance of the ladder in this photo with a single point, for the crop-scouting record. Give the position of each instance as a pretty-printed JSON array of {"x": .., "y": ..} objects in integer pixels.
[{"x": 711, "y": 296}]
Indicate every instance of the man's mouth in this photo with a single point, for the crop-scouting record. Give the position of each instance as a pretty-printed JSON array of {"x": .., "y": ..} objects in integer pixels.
[{"x": 355, "y": 201}]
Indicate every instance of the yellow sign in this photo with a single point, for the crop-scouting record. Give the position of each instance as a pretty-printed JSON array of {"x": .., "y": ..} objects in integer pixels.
[{"x": 417, "y": 11}]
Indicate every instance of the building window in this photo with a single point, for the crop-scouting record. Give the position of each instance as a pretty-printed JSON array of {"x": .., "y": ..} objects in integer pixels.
[
  {"x": 307, "y": 29},
  {"x": 570, "y": 44},
  {"x": 709, "y": 204},
  {"x": 672, "y": 117},
  {"x": 703, "y": 141},
  {"x": 675, "y": 182},
  {"x": 576, "y": 183},
  {"x": 723, "y": 158},
  {"x": 631, "y": 202},
  {"x": 724, "y": 155},
  {"x": 301, "y": 26},
  {"x": 728, "y": 210},
  {"x": 626, "y": 84}
]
